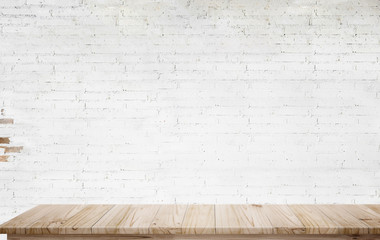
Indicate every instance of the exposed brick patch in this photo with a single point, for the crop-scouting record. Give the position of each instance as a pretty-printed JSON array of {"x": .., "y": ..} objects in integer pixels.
[
  {"x": 4, "y": 140},
  {"x": 4, "y": 158},
  {"x": 11, "y": 149},
  {"x": 7, "y": 149},
  {"x": 6, "y": 121}
]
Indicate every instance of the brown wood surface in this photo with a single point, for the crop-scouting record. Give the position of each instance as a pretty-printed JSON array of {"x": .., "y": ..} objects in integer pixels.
[
  {"x": 242, "y": 219},
  {"x": 126, "y": 219},
  {"x": 82, "y": 222},
  {"x": 57, "y": 216},
  {"x": 283, "y": 220},
  {"x": 196, "y": 219},
  {"x": 195, "y": 237},
  {"x": 168, "y": 220},
  {"x": 346, "y": 221},
  {"x": 199, "y": 219},
  {"x": 366, "y": 215},
  {"x": 315, "y": 221}
]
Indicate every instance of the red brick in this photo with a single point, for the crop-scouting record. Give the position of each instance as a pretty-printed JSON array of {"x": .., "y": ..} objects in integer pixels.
[
  {"x": 11, "y": 149},
  {"x": 4, "y": 140}
]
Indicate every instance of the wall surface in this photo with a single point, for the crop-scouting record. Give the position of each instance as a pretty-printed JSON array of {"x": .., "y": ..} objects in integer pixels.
[{"x": 199, "y": 101}]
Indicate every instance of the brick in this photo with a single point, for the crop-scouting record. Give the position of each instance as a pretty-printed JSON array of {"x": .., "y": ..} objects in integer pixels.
[
  {"x": 114, "y": 96},
  {"x": 12, "y": 149},
  {"x": 4, "y": 158},
  {"x": 4, "y": 140},
  {"x": 6, "y": 121}
]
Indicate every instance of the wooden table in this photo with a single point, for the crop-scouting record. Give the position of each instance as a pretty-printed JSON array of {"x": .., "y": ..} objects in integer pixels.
[{"x": 235, "y": 222}]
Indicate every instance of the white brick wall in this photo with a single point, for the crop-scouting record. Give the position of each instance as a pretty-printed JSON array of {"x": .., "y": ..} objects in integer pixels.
[{"x": 216, "y": 101}]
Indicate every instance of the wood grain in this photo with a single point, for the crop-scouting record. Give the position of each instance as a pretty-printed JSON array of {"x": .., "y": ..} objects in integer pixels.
[
  {"x": 19, "y": 224},
  {"x": 168, "y": 220},
  {"x": 82, "y": 222},
  {"x": 283, "y": 220},
  {"x": 346, "y": 221},
  {"x": 126, "y": 219},
  {"x": 194, "y": 237},
  {"x": 196, "y": 219},
  {"x": 315, "y": 221},
  {"x": 50, "y": 222},
  {"x": 374, "y": 207},
  {"x": 199, "y": 219},
  {"x": 241, "y": 219},
  {"x": 364, "y": 214}
]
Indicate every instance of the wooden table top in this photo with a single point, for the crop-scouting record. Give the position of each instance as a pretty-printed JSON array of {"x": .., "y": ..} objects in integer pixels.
[{"x": 196, "y": 219}]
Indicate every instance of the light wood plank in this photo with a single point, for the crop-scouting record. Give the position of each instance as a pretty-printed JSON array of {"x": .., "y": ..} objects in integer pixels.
[
  {"x": 364, "y": 214},
  {"x": 350, "y": 224},
  {"x": 127, "y": 219},
  {"x": 374, "y": 207},
  {"x": 315, "y": 221},
  {"x": 261, "y": 219},
  {"x": 241, "y": 219},
  {"x": 199, "y": 219},
  {"x": 168, "y": 220},
  {"x": 233, "y": 219},
  {"x": 52, "y": 220},
  {"x": 194, "y": 237},
  {"x": 19, "y": 224},
  {"x": 283, "y": 220},
  {"x": 82, "y": 222}
]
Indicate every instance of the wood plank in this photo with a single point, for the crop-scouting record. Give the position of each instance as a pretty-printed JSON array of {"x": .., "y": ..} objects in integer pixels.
[
  {"x": 126, "y": 219},
  {"x": 168, "y": 220},
  {"x": 315, "y": 221},
  {"x": 364, "y": 214},
  {"x": 82, "y": 222},
  {"x": 52, "y": 220},
  {"x": 194, "y": 237},
  {"x": 241, "y": 219},
  {"x": 350, "y": 224},
  {"x": 261, "y": 219},
  {"x": 374, "y": 207},
  {"x": 19, "y": 224},
  {"x": 199, "y": 219},
  {"x": 283, "y": 220}
]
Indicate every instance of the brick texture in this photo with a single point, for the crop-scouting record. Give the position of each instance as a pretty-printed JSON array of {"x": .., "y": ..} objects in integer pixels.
[
  {"x": 6, "y": 121},
  {"x": 7, "y": 147},
  {"x": 189, "y": 101}
]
